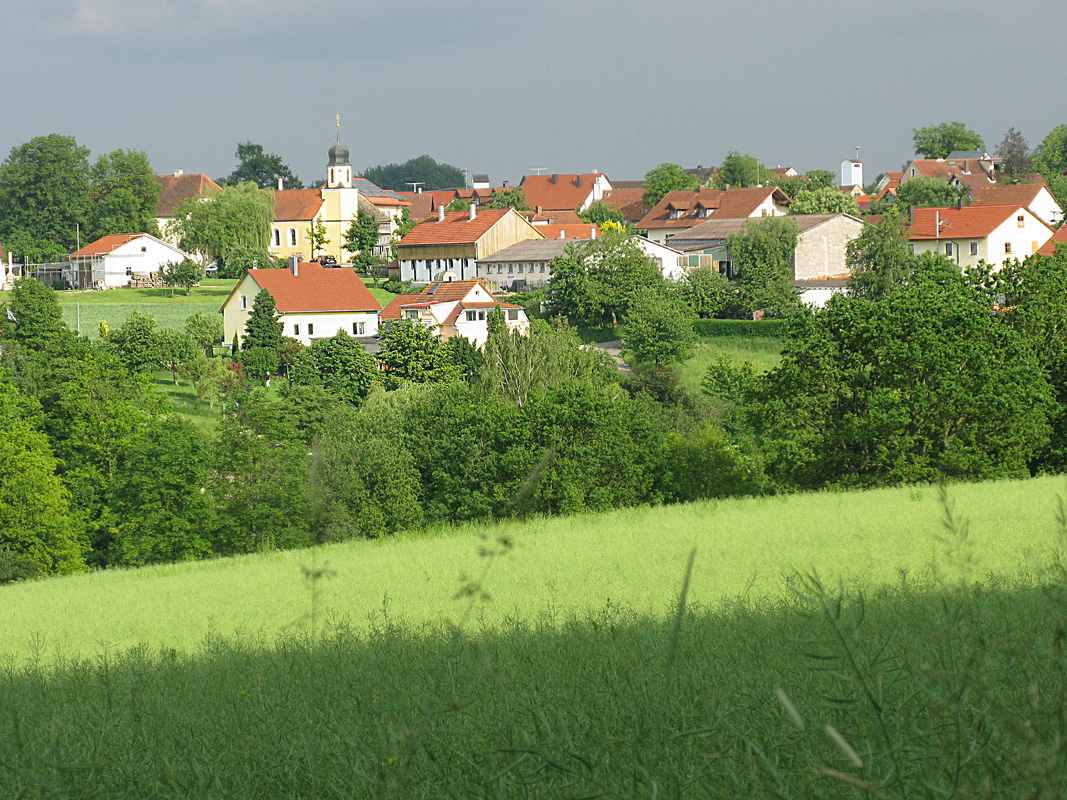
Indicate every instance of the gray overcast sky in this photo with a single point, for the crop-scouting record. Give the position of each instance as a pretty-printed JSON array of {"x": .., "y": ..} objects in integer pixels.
[{"x": 503, "y": 87}]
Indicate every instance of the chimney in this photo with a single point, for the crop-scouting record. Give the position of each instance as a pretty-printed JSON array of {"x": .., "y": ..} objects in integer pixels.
[
  {"x": 592, "y": 232},
  {"x": 474, "y": 211},
  {"x": 911, "y": 215},
  {"x": 281, "y": 183},
  {"x": 178, "y": 173},
  {"x": 440, "y": 213},
  {"x": 505, "y": 184},
  {"x": 579, "y": 181},
  {"x": 554, "y": 178},
  {"x": 959, "y": 204},
  {"x": 538, "y": 210},
  {"x": 562, "y": 233},
  {"x": 294, "y": 266},
  {"x": 418, "y": 190},
  {"x": 726, "y": 187}
]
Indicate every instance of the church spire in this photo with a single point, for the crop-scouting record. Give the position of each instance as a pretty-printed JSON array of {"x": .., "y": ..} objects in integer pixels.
[{"x": 338, "y": 167}]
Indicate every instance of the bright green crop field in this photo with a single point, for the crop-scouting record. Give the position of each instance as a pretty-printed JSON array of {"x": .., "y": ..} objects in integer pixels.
[
  {"x": 634, "y": 558},
  {"x": 565, "y": 658}
]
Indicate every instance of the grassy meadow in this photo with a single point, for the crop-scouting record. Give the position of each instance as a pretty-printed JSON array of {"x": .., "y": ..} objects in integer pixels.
[
  {"x": 633, "y": 558},
  {"x": 568, "y": 658}
]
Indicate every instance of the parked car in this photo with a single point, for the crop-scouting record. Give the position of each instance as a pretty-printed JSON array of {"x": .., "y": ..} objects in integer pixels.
[{"x": 326, "y": 261}]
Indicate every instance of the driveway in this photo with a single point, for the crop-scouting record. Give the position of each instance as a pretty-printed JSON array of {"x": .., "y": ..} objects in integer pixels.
[{"x": 614, "y": 349}]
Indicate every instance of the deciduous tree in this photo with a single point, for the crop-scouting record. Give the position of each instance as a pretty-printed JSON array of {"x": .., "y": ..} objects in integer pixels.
[
  {"x": 511, "y": 197},
  {"x": 185, "y": 273},
  {"x": 234, "y": 227},
  {"x": 1015, "y": 151},
  {"x": 739, "y": 170},
  {"x": 827, "y": 200},
  {"x": 44, "y": 197},
  {"x": 937, "y": 141},
  {"x": 659, "y": 329},
  {"x": 340, "y": 365},
  {"x": 927, "y": 190},
  {"x": 123, "y": 195},
  {"x": 361, "y": 237},
  {"x": 412, "y": 352},
  {"x": 667, "y": 177},
  {"x": 422, "y": 169},
  {"x": 763, "y": 254},
  {"x": 261, "y": 168}
]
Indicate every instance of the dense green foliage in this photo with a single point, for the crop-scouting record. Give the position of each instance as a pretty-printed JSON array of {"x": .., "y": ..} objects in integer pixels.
[
  {"x": 741, "y": 171},
  {"x": 937, "y": 141},
  {"x": 510, "y": 197},
  {"x": 600, "y": 212},
  {"x": 361, "y": 237},
  {"x": 824, "y": 200},
  {"x": 763, "y": 254},
  {"x": 659, "y": 329},
  {"x": 422, "y": 169},
  {"x": 262, "y": 169},
  {"x": 595, "y": 283},
  {"x": 927, "y": 190},
  {"x": 233, "y": 228},
  {"x": 666, "y": 178}
]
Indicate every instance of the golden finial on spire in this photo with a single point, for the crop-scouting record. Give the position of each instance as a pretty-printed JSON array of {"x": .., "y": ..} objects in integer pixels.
[{"x": 338, "y": 120}]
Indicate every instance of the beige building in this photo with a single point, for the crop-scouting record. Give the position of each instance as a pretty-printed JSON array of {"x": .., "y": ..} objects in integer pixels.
[{"x": 450, "y": 245}]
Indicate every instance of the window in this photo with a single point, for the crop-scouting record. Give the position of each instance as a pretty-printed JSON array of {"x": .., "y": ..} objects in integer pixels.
[
  {"x": 470, "y": 316},
  {"x": 542, "y": 268},
  {"x": 974, "y": 248},
  {"x": 948, "y": 248},
  {"x": 481, "y": 315},
  {"x": 911, "y": 248},
  {"x": 513, "y": 314},
  {"x": 510, "y": 268},
  {"x": 277, "y": 238},
  {"x": 296, "y": 329},
  {"x": 311, "y": 329},
  {"x": 913, "y": 172},
  {"x": 359, "y": 328},
  {"x": 244, "y": 302},
  {"x": 1021, "y": 221},
  {"x": 411, "y": 314},
  {"x": 292, "y": 237},
  {"x": 1007, "y": 248},
  {"x": 521, "y": 268}
]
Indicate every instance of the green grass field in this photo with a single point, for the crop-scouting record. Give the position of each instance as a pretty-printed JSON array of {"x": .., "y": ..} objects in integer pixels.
[
  {"x": 632, "y": 557},
  {"x": 764, "y": 352},
  {"x": 566, "y": 666}
]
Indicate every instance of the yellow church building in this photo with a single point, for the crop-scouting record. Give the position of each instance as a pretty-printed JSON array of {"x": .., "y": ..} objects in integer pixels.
[{"x": 298, "y": 212}]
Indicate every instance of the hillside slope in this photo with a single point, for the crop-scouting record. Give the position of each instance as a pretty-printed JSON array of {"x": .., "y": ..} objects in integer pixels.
[{"x": 630, "y": 558}]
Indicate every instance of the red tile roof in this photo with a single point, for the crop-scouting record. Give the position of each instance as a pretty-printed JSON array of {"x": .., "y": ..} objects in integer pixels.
[
  {"x": 969, "y": 222},
  {"x": 297, "y": 204},
  {"x": 628, "y": 202},
  {"x": 392, "y": 311},
  {"x": 457, "y": 228},
  {"x": 446, "y": 292},
  {"x": 173, "y": 189},
  {"x": 728, "y": 204},
  {"x": 423, "y": 204},
  {"x": 1022, "y": 194},
  {"x": 581, "y": 230},
  {"x": 315, "y": 288},
  {"x": 1058, "y": 238},
  {"x": 107, "y": 244},
  {"x": 563, "y": 195}
]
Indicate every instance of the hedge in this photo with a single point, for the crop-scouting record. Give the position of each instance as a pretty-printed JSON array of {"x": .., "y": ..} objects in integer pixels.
[{"x": 772, "y": 328}]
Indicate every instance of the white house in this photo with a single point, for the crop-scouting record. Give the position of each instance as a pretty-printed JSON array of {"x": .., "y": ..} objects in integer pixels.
[
  {"x": 1035, "y": 196},
  {"x": 111, "y": 261},
  {"x": 456, "y": 308},
  {"x": 313, "y": 302},
  {"x": 971, "y": 234}
]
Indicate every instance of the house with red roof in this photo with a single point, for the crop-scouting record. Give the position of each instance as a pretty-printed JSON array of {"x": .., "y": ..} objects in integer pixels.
[
  {"x": 974, "y": 170},
  {"x": 558, "y": 192},
  {"x": 460, "y": 308},
  {"x": 1035, "y": 196},
  {"x": 175, "y": 189},
  {"x": 449, "y": 245},
  {"x": 111, "y": 261},
  {"x": 313, "y": 302},
  {"x": 969, "y": 234},
  {"x": 1059, "y": 238},
  {"x": 680, "y": 210}
]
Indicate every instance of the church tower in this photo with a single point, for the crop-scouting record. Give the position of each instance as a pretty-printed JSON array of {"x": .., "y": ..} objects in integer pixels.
[{"x": 338, "y": 170}]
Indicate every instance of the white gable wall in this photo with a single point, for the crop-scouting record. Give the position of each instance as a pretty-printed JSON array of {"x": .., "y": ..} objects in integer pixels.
[{"x": 141, "y": 256}]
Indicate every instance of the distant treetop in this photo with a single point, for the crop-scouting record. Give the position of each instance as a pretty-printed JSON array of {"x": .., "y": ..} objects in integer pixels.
[{"x": 422, "y": 170}]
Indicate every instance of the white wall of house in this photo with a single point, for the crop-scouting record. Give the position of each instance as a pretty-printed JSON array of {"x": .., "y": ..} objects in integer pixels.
[
  {"x": 308, "y": 327},
  {"x": 141, "y": 256},
  {"x": 477, "y": 330},
  {"x": 237, "y": 308},
  {"x": 1018, "y": 237},
  {"x": 427, "y": 270},
  {"x": 819, "y": 296},
  {"x": 1046, "y": 208}
]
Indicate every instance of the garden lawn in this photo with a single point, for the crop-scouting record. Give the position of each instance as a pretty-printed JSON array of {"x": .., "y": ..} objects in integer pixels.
[
  {"x": 114, "y": 305},
  {"x": 632, "y": 558}
]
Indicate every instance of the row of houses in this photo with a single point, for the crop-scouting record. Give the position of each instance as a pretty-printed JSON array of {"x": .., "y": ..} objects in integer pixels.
[{"x": 315, "y": 302}]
